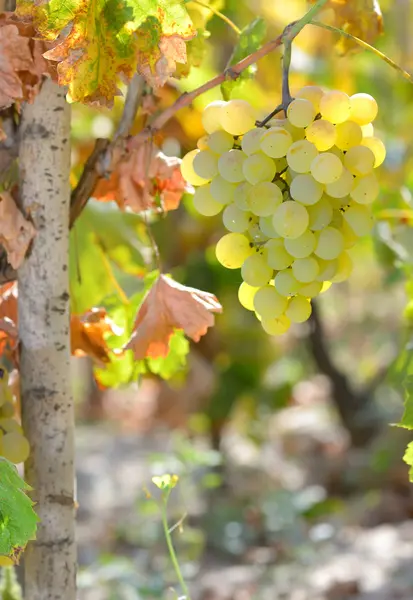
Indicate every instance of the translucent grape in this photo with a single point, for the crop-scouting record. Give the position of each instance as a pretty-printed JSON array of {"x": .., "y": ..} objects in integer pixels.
[
  {"x": 9, "y": 424},
  {"x": 359, "y": 160},
  {"x": 359, "y": 218},
  {"x": 337, "y": 220},
  {"x": 348, "y": 134},
  {"x": 211, "y": 116},
  {"x": 320, "y": 214},
  {"x": 237, "y": 117},
  {"x": 232, "y": 250},
  {"x": 311, "y": 290},
  {"x": 15, "y": 447},
  {"x": 222, "y": 190},
  {"x": 258, "y": 167},
  {"x": 330, "y": 243},
  {"x": 305, "y": 189},
  {"x": 256, "y": 234},
  {"x": 235, "y": 219},
  {"x": 364, "y": 108},
  {"x": 277, "y": 326},
  {"x": 275, "y": 142},
  {"x": 204, "y": 202},
  {"x": 368, "y": 130},
  {"x": 267, "y": 227},
  {"x": 264, "y": 198},
  {"x": 345, "y": 268},
  {"x": 326, "y": 168},
  {"x": 297, "y": 133},
  {"x": 290, "y": 219},
  {"x": 246, "y": 295},
  {"x": 377, "y": 147},
  {"x": 206, "y": 164},
  {"x": 306, "y": 269},
  {"x": 302, "y": 246},
  {"x": 187, "y": 169},
  {"x": 230, "y": 166},
  {"x": 286, "y": 284},
  {"x": 268, "y": 303},
  {"x": 241, "y": 195},
  {"x": 300, "y": 155},
  {"x": 335, "y": 106},
  {"x": 338, "y": 203},
  {"x": 277, "y": 256},
  {"x": 298, "y": 310},
  {"x": 220, "y": 142},
  {"x": 327, "y": 269},
  {"x": 251, "y": 140},
  {"x": 301, "y": 112},
  {"x": 255, "y": 271},
  {"x": 312, "y": 93},
  {"x": 365, "y": 189},
  {"x": 280, "y": 164},
  {"x": 202, "y": 143},
  {"x": 350, "y": 238},
  {"x": 322, "y": 134},
  {"x": 342, "y": 186}
]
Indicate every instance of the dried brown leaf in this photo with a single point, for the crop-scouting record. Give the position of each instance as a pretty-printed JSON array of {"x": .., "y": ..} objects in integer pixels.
[
  {"x": 88, "y": 334},
  {"x": 169, "y": 306},
  {"x": 16, "y": 232}
]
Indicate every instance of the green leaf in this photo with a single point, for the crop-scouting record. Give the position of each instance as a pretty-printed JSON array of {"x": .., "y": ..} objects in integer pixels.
[
  {"x": 249, "y": 41},
  {"x": 175, "y": 361},
  {"x": 103, "y": 238},
  {"x": 408, "y": 459},
  {"x": 99, "y": 40},
  {"x": 18, "y": 521},
  {"x": 407, "y": 418}
]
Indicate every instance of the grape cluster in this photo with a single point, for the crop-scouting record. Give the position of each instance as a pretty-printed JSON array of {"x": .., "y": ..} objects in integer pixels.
[
  {"x": 13, "y": 445},
  {"x": 295, "y": 195}
]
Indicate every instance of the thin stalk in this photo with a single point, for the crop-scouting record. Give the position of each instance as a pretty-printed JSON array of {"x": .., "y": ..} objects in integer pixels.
[
  {"x": 171, "y": 549},
  {"x": 366, "y": 46},
  {"x": 220, "y": 15}
]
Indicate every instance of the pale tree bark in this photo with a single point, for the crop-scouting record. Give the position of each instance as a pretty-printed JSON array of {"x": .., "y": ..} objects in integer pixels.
[{"x": 47, "y": 407}]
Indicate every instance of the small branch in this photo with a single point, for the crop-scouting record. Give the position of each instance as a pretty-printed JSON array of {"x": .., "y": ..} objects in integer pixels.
[
  {"x": 220, "y": 15},
  {"x": 366, "y": 46}
]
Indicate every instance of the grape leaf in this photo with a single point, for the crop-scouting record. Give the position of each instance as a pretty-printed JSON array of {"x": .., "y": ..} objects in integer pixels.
[
  {"x": 361, "y": 18},
  {"x": 88, "y": 334},
  {"x": 407, "y": 418},
  {"x": 250, "y": 39},
  {"x": 99, "y": 41},
  {"x": 169, "y": 306},
  {"x": 18, "y": 521},
  {"x": 408, "y": 459}
]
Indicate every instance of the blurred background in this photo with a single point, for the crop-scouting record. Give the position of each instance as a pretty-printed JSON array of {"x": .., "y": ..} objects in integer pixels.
[{"x": 292, "y": 483}]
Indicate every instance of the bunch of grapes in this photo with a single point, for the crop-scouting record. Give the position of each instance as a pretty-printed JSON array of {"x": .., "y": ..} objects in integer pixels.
[
  {"x": 13, "y": 445},
  {"x": 295, "y": 195}
]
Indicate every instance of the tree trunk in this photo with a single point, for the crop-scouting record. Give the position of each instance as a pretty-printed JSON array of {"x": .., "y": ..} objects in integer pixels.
[{"x": 47, "y": 406}]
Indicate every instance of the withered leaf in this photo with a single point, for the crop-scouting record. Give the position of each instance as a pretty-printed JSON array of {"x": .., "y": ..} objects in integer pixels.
[
  {"x": 88, "y": 334},
  {"x": 169, "y": 306},
  {"x": 16, "y": 232}
]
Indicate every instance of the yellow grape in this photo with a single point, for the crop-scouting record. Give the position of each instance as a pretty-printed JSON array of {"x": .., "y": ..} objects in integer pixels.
[
  {"x": 335, "y": 107},
  {"x": 202, "y": 143},
  {"x": 312, "y": 93},
  {"x": 232, "y": 250},
  {"x": 241, "y": 195},
  {"x": 251, "y": 140},
  {"x": 368, "y": 130},
  {"x": 187, "y": 169},
  {"x": 359, "y": 160},
  {"x": 268, "y": 303},
  {"x": 305, "y": 270},
  {"x": 15, "y": 447},
  {"x": 230, "y": 166},
  {"x": 204, "y": 203},
  {"x": 326, "y": 168},
  {"x": 286, "y": 284},
  {"x": 342, "y": 186},
  {"x": 322, "y": 134},
  {"x": 237, "y": 117},
  {"x": 277, "y": 326},
  {"x": 246, "y": 295},
  {"x": 222, "y": 190},
  {"x": 365, "y": 189},
  {"x": 320, "y": 214},
  {"x": 311, "y": 290},
  {"x": 255, "y": 270},
  {"x": 275, "y": 142},
  {"x": 330, "y": 243},
  {"x": 267, "y": 227},
  {"x": 305, "y": 189},
  {"x": 300, "y": 155},
  {"x": 364, "y": 108},
  {"x": 256, "y": 234},
  {"x": 9, "y": 424},
  {"x": 348, "y": 134},
  {"x": 258, "y": 167},
  {"x": 290, "y": 219},
  {"x": 206, "y": 164},
  {"x": 349, "y": 237},
  {"x": 327, "y": 269},
  {"x": 298, "y": 310},
  {"x": 220, "y": 142},
  {"x": 345, "y": 268},
  {"x": 235, "y": 219},
  {"x": 359, "y": 218},
  {"x": 377, "y": 147},
  {"x": 264, "y": 198},
  {"x": 277, "y": 256},
  {"x": 302, "y": 246},
  {"x": 7, "y": 409},
  {"x": 211, "y": 116},
  {"x": 301, "y": 112}
]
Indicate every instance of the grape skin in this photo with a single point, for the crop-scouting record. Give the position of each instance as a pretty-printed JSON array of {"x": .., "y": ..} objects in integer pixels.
[
  {"x": 300, "y": 155},
  {"x": 246, "y": 295},
  {"x": 305, "y": 189},
  {"x": 230, "y": 166},
  {"x": 204, "y": 202},
  {"x": 290, "y": 219},
  {"x": 268, "y": 303},
  {"x": 232, "y": 250},
  {"x": 255, "y": 271}
]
